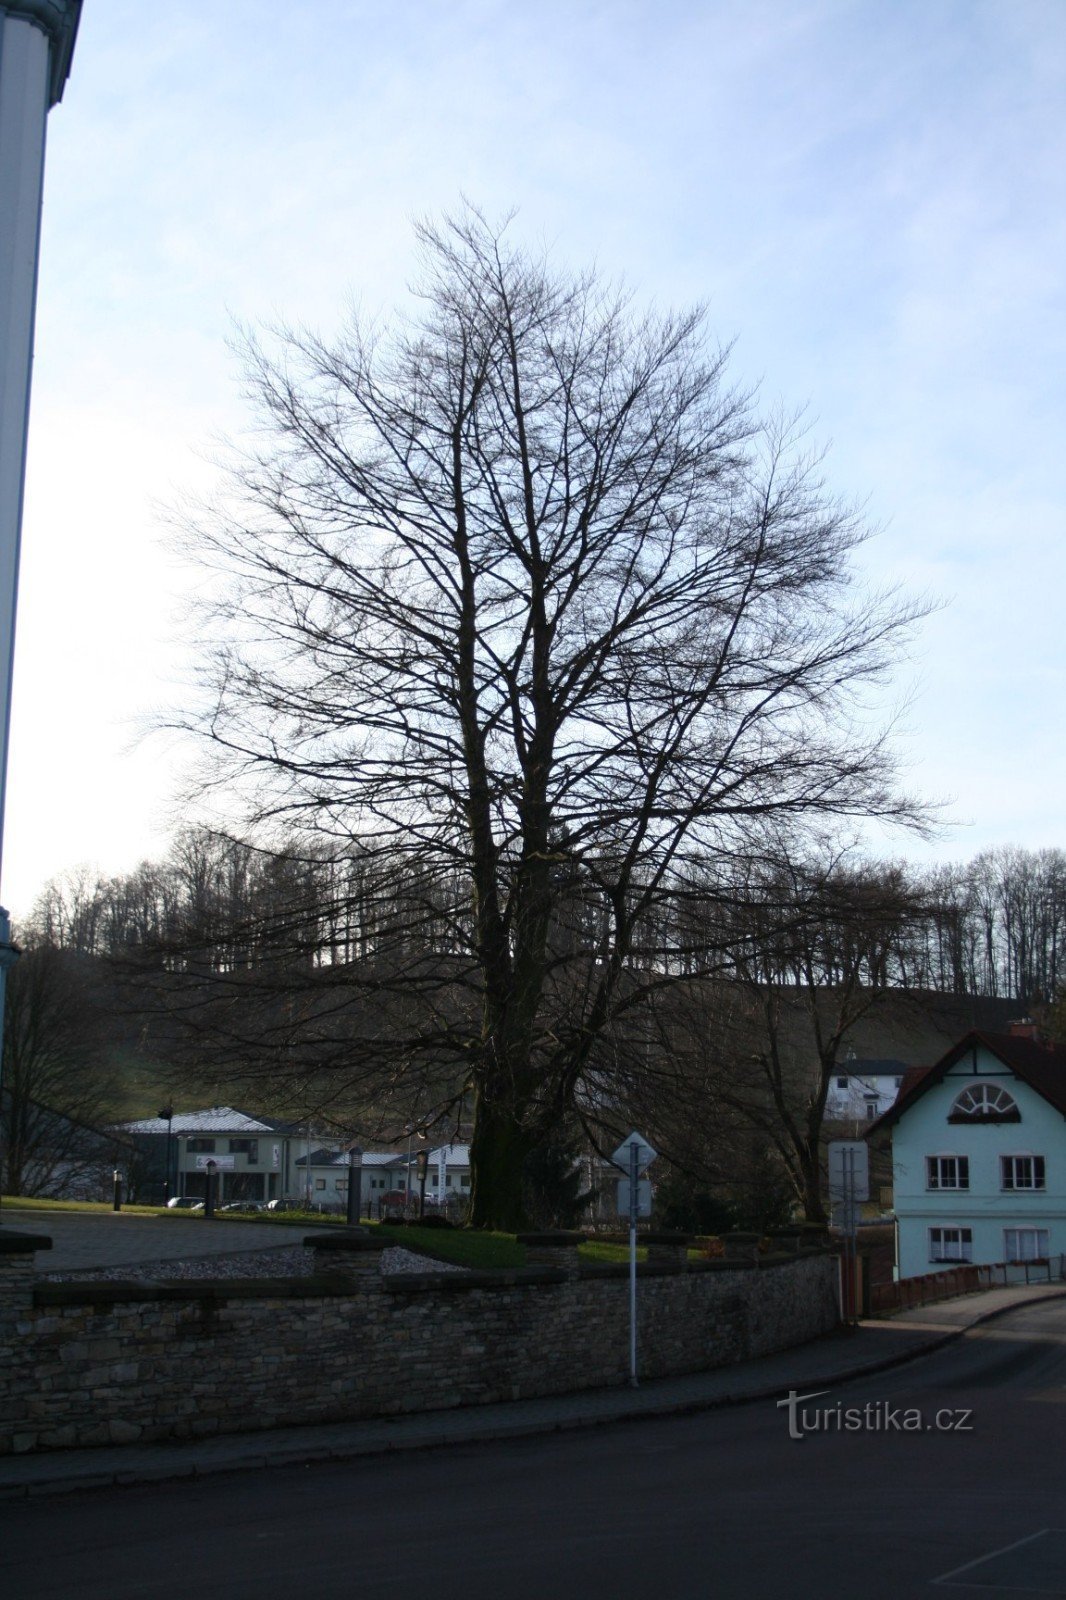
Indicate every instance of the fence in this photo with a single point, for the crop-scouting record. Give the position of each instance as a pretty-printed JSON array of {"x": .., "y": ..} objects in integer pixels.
[{"x": 966, "y": 1279}]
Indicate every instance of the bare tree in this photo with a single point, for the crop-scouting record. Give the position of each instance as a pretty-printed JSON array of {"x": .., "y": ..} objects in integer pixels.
[
  {"x": 525, "y": 606},
  {"x": 816, "y": 946}
]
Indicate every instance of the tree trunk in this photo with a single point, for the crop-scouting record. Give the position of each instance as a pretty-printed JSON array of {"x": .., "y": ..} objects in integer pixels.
[{"x": 498, "y": 1150}]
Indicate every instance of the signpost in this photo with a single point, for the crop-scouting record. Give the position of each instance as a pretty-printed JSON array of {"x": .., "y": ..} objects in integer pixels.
[
  {"x": 634, "y": 1155},
  {"x": 849, "y": 1184}
]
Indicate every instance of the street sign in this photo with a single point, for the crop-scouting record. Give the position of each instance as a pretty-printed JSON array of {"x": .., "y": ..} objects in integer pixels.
[
  {"x": 849, "y": 1183},
  {"x": 634, "y": 1155},
  {"x": 849, "y": 1169},
  {"x": 623, "y": 1156},
  {"x": 643, "y": 1197}
]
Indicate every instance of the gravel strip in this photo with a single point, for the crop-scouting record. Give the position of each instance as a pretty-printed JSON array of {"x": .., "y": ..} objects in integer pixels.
[{"x": 293, "y": 1261}]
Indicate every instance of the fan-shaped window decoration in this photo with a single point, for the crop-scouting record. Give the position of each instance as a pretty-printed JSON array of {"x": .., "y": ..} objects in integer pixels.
[{"x": 985, "y": 1102}]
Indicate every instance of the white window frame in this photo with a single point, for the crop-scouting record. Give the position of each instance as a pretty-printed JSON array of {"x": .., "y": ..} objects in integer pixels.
[
  {"x": 1038, "y": 1181},
  {"x": 941, "y": 1185},
  {"x": 1015, "y": 1254},
  {"x": 962, "y": 1240},
  {"x": 1004, "y": 1109}
]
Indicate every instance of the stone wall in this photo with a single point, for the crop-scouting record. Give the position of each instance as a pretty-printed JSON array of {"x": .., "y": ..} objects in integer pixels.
[{"x": 93, "y": 1363}]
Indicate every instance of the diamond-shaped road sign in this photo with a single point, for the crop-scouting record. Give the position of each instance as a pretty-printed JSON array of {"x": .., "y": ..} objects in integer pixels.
[{"x": 645, "y": 1153}]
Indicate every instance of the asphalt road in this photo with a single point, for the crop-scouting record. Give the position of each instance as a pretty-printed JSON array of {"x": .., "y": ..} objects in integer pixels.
[{"x": 724, "y": 1504}]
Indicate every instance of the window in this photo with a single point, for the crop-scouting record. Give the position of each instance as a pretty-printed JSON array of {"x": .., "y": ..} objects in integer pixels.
[
  {"x": 947, "y": 1172},
  {"x": 984, "y": 1102},
  {"x": 340, "y": 1183},
  {"x": 1025, "y": 1244},
  {"x": 245, "y": 1147},
  {"x": 951, "y": 1244},
  {"x": 871, "y": 1108},
  {"x": 842, "y": 1083},
  {"x": 1021, "y": 1172},
  {"x": 203, "y": 1147},
  {"x": 320, "y": 1183},
  {"x": 464, "y": 1181}
]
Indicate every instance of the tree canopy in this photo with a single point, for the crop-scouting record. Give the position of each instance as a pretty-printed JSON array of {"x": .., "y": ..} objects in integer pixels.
[{"x": 524, "y": 607}]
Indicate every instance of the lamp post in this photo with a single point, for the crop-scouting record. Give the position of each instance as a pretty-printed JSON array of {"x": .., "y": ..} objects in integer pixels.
[
  {"x": 409, "y": 1130},
  {"x": 36, "y": 46},
  {"x": 167, "y": 1112},
  {"x": 355, "y": 1185}
]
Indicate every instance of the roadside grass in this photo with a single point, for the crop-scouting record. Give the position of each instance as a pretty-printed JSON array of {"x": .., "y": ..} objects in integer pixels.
[
  {"x": 464, "y": 1247},
  {"x": 595, "y": 1250}
]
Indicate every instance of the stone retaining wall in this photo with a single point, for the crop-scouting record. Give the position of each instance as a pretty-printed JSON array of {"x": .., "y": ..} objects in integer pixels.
[{"x": 95, "y": 1363}]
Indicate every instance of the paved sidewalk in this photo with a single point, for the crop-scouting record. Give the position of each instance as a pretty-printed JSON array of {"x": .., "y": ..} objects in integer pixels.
[{"x": 824, "y": 1363}]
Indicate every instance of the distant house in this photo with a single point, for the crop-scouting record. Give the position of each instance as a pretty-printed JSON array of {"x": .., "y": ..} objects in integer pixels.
[
  {"x": 321, "y": 1177},
  {"x": 979, "y": 1155},
  {"x": 863, "y": 1089},
  {"x": 253, "y": 1155}
]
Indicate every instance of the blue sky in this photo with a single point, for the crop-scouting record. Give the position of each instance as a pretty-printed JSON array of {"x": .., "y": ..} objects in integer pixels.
[{"x": 868, "y": 196}]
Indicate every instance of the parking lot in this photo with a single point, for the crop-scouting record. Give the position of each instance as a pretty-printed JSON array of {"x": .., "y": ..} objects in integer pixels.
[{"x": 118, "y": 1239}]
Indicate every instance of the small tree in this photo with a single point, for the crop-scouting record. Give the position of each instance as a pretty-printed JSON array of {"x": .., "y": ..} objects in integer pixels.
[{"x": 526, "y": 608}]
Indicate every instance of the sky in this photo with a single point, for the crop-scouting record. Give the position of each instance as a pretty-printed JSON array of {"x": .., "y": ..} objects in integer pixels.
[{"x": 868, "y": 196}]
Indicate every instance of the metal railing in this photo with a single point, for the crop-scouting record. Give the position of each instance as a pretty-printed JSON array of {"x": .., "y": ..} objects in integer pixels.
[{"x": 950, "y": 1282}]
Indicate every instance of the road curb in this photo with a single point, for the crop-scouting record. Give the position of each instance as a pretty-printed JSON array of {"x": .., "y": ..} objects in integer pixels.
[{"x": 442, "y": 1432}]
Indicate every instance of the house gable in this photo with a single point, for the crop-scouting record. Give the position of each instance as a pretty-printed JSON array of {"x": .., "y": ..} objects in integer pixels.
[{"x": 979, "y": 1157}]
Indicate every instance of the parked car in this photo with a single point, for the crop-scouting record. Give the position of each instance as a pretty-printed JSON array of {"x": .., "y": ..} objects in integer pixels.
[{"x": 185, "y": 1202}]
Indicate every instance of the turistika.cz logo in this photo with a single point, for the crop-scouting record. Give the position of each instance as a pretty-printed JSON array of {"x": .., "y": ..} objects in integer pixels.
[{"x": 876, "y": 1416}]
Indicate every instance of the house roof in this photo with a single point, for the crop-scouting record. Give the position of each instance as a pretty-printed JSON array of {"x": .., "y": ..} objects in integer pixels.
[
  {"x": 1041, "y": 1066},
  {"x": 215, "y": 1119},
  {"x": 872, "y": 1067},
  {"x": 456, "y": 1155},
  {"x": 339, "y": 1158}
]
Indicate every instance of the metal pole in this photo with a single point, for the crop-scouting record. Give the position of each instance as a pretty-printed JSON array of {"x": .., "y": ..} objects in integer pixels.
[
  {"x": 633, "y": 1180},
  {"x": 168, "y": 1113},
  {"x": 36, "y": 45},
  {"x": 116, "y": 1201},
  {"x": 850, "y": 1234},
  {"x": 355, "y": 1185}
]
